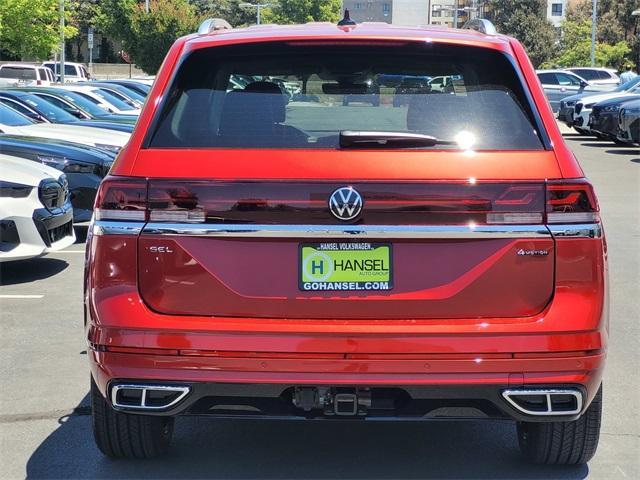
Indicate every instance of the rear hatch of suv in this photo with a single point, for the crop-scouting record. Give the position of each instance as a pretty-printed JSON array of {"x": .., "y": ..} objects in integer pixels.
[{"x": 279, "y": 213}]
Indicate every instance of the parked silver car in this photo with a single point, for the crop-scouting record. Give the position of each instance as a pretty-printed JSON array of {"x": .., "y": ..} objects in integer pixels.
[
  {"x": 559, "y": 84},
  {"x": 597, "y": 75}
]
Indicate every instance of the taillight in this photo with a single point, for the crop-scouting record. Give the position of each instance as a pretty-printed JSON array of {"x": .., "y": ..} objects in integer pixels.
[
  {"x": 410, "y": 203},
  {"x": 571, "y": 202},
  {"x": 435, "y": 203},
  {"x": 121, "y": 199},
  {"x": 38, "y": 82}
]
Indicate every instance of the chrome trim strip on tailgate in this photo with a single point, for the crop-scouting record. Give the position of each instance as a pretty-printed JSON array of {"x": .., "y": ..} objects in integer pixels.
[
  {"x": 106, "y": 227},
  {"x": 347, "y": 231},
  {"x": 588, "y": 230}
]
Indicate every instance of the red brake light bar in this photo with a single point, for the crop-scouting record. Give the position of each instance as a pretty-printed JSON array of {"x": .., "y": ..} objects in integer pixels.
[{"x": 429, "y": 203}]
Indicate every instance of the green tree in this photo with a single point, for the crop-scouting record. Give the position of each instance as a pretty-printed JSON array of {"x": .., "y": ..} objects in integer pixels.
[
  {"x": 302, "y": 11},
  {"x": 230, "y": 10},
  {"x": 526, "y": 20},
  {"x": 575, "y": 47},
  {"x": 147, "y": 36},
  {"x": 82, "y": 16},
  {"x": 615, "y": 24},
  {"x": 30, "y": 28}
]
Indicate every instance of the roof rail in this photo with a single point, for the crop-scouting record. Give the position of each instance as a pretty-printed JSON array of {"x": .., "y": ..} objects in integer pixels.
[
  {"x": 214, "y": 24},
  {"x": 481, "y": 25}
]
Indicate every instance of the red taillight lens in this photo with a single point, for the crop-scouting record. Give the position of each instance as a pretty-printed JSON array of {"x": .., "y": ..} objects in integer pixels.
[
  {"x": 410, "y": 203},
  {"x": 571, "y": 202},
  {"x": 454, "y": 203},
  {"x": 121, "y": 199}
]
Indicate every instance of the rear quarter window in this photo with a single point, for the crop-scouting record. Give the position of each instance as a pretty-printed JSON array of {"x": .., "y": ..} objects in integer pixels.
[
  {"x": 21, "y": 73},
  {"x": 303, "y": 96}
]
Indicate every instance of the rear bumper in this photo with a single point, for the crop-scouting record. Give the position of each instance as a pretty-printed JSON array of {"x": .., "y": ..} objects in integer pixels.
[
  {"x": 563, "y": 345},
  {"x": 462, "y": 380}
]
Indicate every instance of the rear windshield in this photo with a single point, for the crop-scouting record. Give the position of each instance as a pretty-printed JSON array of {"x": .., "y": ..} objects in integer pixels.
[
  {"x": 303, "y": 96},
  {"x": 22, "y": 73},
  {"x": 69, "y": 70}
]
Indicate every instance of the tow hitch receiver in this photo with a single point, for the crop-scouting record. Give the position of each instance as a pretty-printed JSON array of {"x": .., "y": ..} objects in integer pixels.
[{"x": 347, "y": 402}]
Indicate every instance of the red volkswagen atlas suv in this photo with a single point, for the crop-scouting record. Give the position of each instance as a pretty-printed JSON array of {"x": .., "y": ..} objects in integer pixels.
[{"x": 263, "y": 249}]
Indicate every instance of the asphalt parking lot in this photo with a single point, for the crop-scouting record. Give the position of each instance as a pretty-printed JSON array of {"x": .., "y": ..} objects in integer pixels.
[{"x": 45, "y": 428}]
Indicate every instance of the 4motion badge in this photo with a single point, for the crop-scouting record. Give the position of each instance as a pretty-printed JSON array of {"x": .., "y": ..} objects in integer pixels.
[{"x": 532, "y": 253}]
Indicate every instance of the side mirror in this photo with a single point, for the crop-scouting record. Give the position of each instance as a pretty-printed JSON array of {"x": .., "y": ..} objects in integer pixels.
[{"x": 583, "y": 84}]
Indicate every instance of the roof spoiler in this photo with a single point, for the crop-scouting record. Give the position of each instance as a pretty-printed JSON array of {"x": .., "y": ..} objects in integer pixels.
[
  {"x": 214, "y": 24},
  {"x": 481, "y": 25}
]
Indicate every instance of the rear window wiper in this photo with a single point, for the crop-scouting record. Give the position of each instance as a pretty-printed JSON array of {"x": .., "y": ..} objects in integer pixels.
[{"x": 377, "y": 139}]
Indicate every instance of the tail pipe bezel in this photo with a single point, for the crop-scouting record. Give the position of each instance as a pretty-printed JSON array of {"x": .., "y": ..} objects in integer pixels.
[
  {"x": 181, "y": 390},
  {"x": 509, "y": 396}
]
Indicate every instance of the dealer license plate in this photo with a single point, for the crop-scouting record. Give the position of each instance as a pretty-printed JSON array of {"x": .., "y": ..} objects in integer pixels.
[{"x": 345, "y": 266}]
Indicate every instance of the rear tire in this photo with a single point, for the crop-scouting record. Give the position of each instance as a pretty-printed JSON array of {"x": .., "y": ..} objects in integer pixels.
[
  {"x": 563, "y": 443},
  {"x": 125, "y": 435}
]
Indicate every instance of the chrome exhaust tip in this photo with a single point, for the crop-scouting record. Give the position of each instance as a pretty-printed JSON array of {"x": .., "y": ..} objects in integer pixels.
[
  {"x": 147, "y": 397},
  {"x": 544, "y": 402}
]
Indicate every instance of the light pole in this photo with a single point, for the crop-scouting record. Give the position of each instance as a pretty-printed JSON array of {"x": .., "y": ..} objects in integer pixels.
[
  {"x": 257, "y": 6},
  {"x": 594, "y": 20},
  {"x": 636, "y": 13},
  {"x": 61, "y": 12},
  {"x": 146, "y": 6}
]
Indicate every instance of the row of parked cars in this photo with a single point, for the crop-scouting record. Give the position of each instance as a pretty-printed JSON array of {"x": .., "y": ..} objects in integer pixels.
[
  {"x": 607, "y": 110},
  {"x": 57, "y": 143}
]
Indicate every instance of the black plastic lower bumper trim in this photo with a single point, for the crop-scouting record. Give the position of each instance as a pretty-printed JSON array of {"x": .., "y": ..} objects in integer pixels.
[{"x": 386, "y": 402}]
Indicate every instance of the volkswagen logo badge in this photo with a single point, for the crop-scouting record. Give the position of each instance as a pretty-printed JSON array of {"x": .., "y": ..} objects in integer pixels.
[{"x": 346, "y": 203}]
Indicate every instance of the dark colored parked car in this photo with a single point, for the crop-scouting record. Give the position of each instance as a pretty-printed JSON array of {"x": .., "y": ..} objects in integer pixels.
[
  {"x": 605, "y": 117},
  {"x": 138, "y": 87},
  {"x": 78, "y": 105},
  {"x": 629, "y": 129},
  {"x": 410, "y": 86},
  {"x": 83, "y": 165},
  {"x": 133, "y": 97},
  {"x": 41, "y": 110},
  {"x": 365, "y": 92}
]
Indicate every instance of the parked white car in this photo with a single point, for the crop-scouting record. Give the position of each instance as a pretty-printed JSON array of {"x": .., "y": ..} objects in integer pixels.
[
  {"x": 583, "y": 107},
  {"x": 36, "y": 216},
  {"x": 17, "y": 124},
  {"x": 24, "y": 74},
  {"x": 73, "y": 72},
  {"x": 103, "y": 98},
  {"x": 597, "y": 75}
]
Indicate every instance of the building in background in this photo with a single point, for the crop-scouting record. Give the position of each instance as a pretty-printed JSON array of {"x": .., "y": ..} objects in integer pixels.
[
  {"x": 435, "y": 12},
  {"x": 556, "y": 11},
  {"x": 413, "y": 12},
  {"x": 372, "y": 10}
]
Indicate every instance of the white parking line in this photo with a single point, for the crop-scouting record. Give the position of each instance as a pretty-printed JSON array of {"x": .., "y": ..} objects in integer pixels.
[{"x": 22, "y": 296}]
